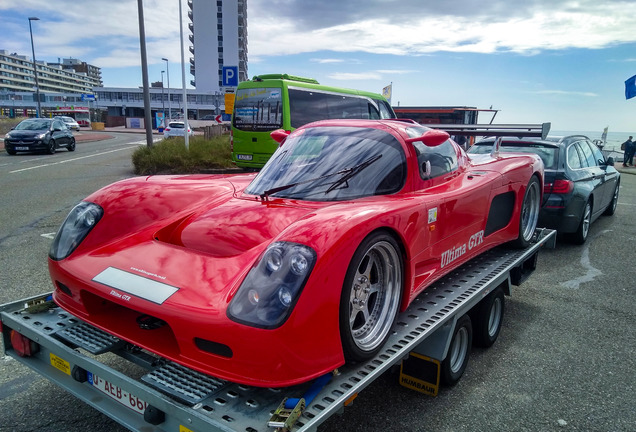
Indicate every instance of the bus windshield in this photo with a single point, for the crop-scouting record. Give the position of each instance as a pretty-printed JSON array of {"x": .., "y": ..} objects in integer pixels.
[{"x": 258, "y": 109}]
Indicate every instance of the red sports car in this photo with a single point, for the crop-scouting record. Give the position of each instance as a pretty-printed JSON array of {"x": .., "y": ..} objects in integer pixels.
[{"x": 275, "y": 278}]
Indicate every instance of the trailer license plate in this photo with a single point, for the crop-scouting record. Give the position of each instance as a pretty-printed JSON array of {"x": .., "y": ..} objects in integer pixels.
[
  {"x": 123, "y": 397},
  {"x": 244, "y": 157}
]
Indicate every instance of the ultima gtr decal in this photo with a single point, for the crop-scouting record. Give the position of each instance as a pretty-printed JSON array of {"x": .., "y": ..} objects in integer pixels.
[{"x": 452, "y": 254}]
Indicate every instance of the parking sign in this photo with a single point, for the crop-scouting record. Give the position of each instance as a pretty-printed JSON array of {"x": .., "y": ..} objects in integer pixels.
[{"x": 230, "y": 76}]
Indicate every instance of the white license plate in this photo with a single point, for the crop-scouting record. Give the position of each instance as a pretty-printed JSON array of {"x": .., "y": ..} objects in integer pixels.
[
  {"x": 244, "y": 157},
  {"x": 21, "y": 148},
  {"x": 123, "y": 397}
]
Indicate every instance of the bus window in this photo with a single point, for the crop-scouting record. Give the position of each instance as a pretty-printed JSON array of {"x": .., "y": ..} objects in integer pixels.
[
  {"x": 386, "y": 112},
  {"x": 306, "y": 106},
  {"x": 258, "y": 109}
]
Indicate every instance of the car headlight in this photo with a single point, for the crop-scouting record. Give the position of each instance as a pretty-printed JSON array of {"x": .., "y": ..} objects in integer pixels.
[
  {"x": 269, "y": 292},
  {"x": 41, "y": 136},
  {"x": 79, "y": 222}
]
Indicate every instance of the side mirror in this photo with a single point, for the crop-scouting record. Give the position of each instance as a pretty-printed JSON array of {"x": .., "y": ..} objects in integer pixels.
[
  {"x": 431, "y": 138},
  {"x": 279, "y": 135},
  {"x": 426, "y": 169},
  {"x": 610, "y": 161}
]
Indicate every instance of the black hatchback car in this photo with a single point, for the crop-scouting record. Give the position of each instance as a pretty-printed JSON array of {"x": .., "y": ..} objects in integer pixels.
[
  {"x": 39, "y": 134},
  {"x": 580, "y": 183}
]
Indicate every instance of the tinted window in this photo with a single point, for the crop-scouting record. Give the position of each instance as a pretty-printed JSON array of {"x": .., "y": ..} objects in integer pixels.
[
  {"x": 328, "y": 164},
  {"x": 588, "y": 156},
  {"x": 385, "y": 109},
  {"x": 600, "y": 159},
  {"x": 35, "y": 124},
  {"x": 258, "y": 109},
  {"x": 574, "y": 161},
  {"x": 443, "y": 158},
  {"x": 548, "y": 154},
  {"x": 307, "y": 105}
]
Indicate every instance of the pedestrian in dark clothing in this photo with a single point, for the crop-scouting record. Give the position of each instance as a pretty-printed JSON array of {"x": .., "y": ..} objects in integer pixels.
[{"x": 628, "y": 157}]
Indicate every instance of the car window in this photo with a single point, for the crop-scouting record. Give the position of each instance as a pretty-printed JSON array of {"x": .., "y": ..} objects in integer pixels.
[
  {"x": 443, "y": 158},
  {"x": 177, "y": 125},
  {"x": 334, "y": 163},
  {"x": 548, "y": 154},
  {"x": 574, "y": 160},
  {"x": 587, "y": 154},
  {"x": 38, "y": 124},
  {"x": 600, "y": 159}
]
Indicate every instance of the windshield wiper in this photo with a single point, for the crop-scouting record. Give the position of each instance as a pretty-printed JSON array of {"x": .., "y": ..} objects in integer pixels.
[{"x": 347, "y": 174}]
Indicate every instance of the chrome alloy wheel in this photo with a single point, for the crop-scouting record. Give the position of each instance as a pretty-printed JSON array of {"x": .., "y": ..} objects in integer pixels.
[
  {"x": 375, "y": 295},
  {"x": 530, "y": 210},
  {"x": 587, "y": 220}
]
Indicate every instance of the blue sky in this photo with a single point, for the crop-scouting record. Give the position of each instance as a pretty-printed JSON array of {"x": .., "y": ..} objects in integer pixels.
[{"x": 536, "y": 61}]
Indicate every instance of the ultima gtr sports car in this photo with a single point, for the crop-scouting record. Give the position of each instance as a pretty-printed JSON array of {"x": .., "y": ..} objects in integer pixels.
[{"x": 275, "y": 278}]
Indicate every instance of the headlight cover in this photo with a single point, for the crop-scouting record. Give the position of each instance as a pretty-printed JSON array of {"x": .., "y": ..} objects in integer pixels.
[
  {"x": 272, "y": 287},
  {"x": 79, "y": 222}
]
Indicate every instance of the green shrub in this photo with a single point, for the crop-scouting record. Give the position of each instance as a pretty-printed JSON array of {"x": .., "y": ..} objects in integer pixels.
[
  {"x": 7, "y": 123},
  {"x": 171, "y": 157}
]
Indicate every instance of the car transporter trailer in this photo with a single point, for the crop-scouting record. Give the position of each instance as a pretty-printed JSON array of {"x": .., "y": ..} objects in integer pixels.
[{"x": 141, "y": 391}]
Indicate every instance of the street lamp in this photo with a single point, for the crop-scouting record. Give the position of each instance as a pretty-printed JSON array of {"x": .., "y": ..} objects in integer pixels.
[
  {"x": 35, "y": 71},
  {"x": 163, "y": 103},
  {"x": 168, "y": 73}
]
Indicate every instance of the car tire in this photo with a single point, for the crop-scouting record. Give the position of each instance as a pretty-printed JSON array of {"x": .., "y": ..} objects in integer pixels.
[
  {"x": 580, "y": 235},
  {"x": 51, "y": 147},
  {"x": 529, "y": 213},
  {"x": 611, "y": 208},
  {"x": 71, "y": 145},
  {"x": 487, "y": 317},
  {"x": 10, "y": 151},
  {"x": 371, "y": 296},
  {"x": 456, "y": 360}
]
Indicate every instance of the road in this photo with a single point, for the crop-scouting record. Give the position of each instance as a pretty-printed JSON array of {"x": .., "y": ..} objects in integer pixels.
[{"x": 564, "y": 361}]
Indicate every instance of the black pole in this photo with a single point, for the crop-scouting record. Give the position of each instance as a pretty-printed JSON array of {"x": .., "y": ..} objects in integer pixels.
[
  {"x": 144, "y": 74},
  {"x": 35, "y": 70}
]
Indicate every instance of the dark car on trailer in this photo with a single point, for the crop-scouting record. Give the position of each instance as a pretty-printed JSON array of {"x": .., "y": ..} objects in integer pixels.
[
  {"x": 39, "y": 134},
  {"x": 580, "y": 183}
]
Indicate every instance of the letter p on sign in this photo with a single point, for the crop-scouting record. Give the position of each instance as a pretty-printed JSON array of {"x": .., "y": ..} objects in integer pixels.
[{"x": 230, "y": 76}]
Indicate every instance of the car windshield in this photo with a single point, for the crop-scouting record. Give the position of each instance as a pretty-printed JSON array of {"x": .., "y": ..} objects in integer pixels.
[
  {"x": 40, "y": 124},
  {"x": 547, "y": 153},
  {"x": 333, "y": 163}
]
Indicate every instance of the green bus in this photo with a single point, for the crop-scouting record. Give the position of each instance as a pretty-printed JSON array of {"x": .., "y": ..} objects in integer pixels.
[{"x": 280, "y": 101}]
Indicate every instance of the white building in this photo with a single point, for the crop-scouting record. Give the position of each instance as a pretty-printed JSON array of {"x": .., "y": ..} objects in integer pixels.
[{"x": 219, "y": 38}]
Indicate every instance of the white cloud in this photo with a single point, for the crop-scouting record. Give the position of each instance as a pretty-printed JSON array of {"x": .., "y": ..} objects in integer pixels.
[{"x": 346, "y": 76}]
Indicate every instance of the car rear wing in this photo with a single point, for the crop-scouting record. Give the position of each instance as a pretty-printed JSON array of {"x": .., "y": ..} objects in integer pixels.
[{"x": 539, "y": 130}]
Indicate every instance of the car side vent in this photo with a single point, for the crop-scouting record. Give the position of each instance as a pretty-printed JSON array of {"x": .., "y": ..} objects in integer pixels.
[{"x": 500, "y": 212}]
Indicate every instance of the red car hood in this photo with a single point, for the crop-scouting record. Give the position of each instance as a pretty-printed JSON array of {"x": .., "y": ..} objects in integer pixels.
[{"x": 236, "y": 226}]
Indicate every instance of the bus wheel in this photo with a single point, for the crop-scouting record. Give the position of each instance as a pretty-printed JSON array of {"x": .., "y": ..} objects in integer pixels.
[{"x": 456, "y": 360}]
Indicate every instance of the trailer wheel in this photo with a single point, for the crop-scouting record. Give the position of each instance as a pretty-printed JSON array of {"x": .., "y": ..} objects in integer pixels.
[
  {"x": 454, "y": 364},
  {"x": 488, "y": 318},
  {"x": 370, "y": 296}
]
